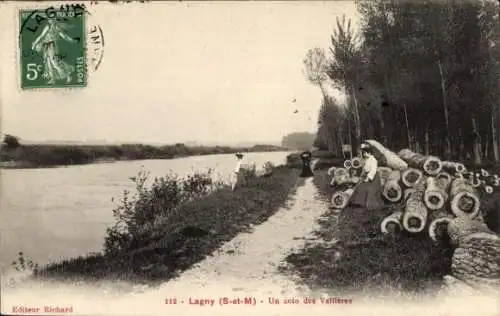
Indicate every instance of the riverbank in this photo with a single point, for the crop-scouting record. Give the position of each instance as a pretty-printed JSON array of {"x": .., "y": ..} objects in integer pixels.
[
  {"x": 171, "y": 239},
  {"x": 42, "y": 156}
]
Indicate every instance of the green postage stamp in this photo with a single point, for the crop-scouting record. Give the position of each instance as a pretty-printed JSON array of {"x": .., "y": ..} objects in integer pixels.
[{"x": 52, "y": 47}]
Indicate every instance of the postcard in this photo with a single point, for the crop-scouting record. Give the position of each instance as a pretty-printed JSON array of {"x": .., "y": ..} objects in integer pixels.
[{"x": 250, "y": 157}]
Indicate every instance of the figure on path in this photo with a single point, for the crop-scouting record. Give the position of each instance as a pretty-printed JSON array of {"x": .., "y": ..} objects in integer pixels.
[
  {"x": 368, "y": 193},
  {"x": 306, "y": 165}
]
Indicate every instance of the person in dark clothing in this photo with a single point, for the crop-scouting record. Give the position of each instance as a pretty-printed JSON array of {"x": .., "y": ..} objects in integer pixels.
[
  {"x": 368, "y": 192},
  {"x": 306, "y": 165}
]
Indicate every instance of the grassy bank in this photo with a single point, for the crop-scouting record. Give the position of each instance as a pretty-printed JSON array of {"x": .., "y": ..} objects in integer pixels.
[
  {"x": 354, "y": 256},
  {"x": 36, "y": 156},
  {"x": 163, "y": 229},
  {"x": 364, "y": 260}
]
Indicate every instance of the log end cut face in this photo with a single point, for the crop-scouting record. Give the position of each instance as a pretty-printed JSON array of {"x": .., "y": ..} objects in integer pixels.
[
  {"x": 434, "y": 200},
  {"x": 433, "y": 165},
  {"x": 393, "y": 228},
  {"x": 414, "y": 222},
  {"x": 465, "y": 204},
  {"x": 438, "y": 229},
  {"x": 392, "y": 193},
  {"x": 411, "y": 177}
]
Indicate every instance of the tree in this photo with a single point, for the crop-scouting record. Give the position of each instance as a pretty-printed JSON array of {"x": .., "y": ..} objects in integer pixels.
[
  {"x": 315, "y": 67},
  {"x": 424, "y": 75},
  {"x": 11, "y": 141},
  {"x": 299, "y": 140}
]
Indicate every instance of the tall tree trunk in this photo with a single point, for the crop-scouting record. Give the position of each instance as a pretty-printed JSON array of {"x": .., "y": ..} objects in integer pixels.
[
  {"x": 407, "y": 126},
  {"x": 340, "y": 140},
  {"x": 445, "y": 107},
  {"x": 427, "y": 149},
  {"x": 494, "y": 141},
  {"x": 486, "y": 148},
  {"x": 358, "y": 119},
  {"x": 477, "y": 143},
  {"x": 461, "y": 147}
]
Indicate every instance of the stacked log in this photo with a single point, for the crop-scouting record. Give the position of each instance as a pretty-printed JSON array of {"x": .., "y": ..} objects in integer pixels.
[
  {"x": 430, "y": 164},
  {"x": 438, "y": 224},
  {"x": 384, "y": 173},
  {"x": 356, "y": 163},
  {"x": 444, "y": 180},
  {"x": 347, "y": 164},
  {"x": 475, "y": 261},
  {"x": 340, "y": 172},
  {"x": 392, "y": 223},
  {"x": 331, "y": 171},
  {"x": 340, "y": 176},
  {"x": 411, "y": 177},
  {"x": 392, "y": 160},
  {"x": 415, "y": 213},
  {"x": 407, "y": 193},
  {"x": 474, "y": 180},
  {"x": 431, "y": 192},
  {"x": 434, "y": 196},
  {"x": 484, "y": 173},
  {"x": 445, "y": 198},
  {"x": 464, "y": 199},
  {"x": 392, "y": 191},
  {"x": 488, "y": 189},
  {"x": 341, "y": 198},
  {"x": 453, "y": 167}
]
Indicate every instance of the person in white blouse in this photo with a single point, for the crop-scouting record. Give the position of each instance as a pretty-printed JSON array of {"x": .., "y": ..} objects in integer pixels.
[
  {"x": 368, "y": 193},
  {"x": 236, "y": 175}
]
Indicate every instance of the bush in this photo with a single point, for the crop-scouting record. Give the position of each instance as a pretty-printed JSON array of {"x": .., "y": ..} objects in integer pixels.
[
  {"x": 11, "y": 142},
  {"x": 268, "y": 169},
  {"x": 135, "y": 213}
]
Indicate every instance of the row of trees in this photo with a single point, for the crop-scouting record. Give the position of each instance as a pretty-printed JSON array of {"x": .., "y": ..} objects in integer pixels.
[
  {"x": 298, "y": 140},
  {"x": 418, "y": 74}
]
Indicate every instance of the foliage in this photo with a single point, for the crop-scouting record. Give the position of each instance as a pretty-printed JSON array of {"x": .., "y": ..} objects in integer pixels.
[
  {"x": 417, "y": 74},
  {"x": 11, "y": 142},
  {"x": 136, "y": 212},
  {"x": 298, "y": 140},
  {"x": 22, "y": 264}
]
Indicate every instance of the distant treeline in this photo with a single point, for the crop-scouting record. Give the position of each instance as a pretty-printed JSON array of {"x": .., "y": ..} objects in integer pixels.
[
  {"x": 32, "y": 156},
  {"x": 298, "y": 140}
]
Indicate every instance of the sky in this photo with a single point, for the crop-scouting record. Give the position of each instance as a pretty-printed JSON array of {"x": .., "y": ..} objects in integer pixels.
[{"x": 215, "y": 72}]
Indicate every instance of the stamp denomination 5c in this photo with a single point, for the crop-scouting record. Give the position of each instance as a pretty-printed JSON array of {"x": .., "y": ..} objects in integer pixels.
[{"x": 52, "y": 47}]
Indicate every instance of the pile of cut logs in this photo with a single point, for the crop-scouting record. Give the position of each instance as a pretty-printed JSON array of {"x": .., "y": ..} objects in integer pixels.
[
  {"x": 441, "y": 196},
  {"x": 431, "y": 192}
]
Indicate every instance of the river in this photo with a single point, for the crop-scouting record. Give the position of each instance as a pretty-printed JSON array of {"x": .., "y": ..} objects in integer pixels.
[{"x": 58, "y": 213}]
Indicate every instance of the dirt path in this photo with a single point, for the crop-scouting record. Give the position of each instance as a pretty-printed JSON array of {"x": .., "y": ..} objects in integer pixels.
[{"x": 246, "y": 267}]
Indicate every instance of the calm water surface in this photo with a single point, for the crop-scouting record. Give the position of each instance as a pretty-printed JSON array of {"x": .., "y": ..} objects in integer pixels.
[{"x": 56, "y": 213}]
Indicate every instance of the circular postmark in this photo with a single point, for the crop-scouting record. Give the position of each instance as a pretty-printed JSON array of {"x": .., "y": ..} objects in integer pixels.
[
  {"x": 58, "y": 46},
  {"x": 95, "y": 46}
]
